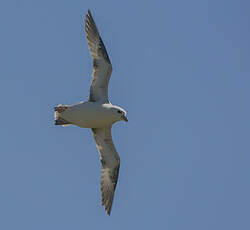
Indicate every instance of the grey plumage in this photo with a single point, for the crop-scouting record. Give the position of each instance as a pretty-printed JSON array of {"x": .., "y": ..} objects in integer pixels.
[
  {"x": 97, "y": 113},
  {"x": 110, "y": 161},
  {"x": 102, "y": 67},
  {"x": 102, "y": 70}
]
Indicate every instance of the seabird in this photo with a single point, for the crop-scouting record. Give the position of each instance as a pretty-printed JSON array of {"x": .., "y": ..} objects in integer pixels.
[{"x": 97, "y": 113}]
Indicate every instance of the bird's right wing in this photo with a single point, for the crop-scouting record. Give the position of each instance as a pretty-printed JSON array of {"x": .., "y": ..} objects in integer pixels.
[
  {"x": 110, "y": 161},
  {"x": 102, "y": 67}
]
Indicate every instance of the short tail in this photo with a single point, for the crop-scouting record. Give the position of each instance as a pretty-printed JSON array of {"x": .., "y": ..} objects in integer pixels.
[{"x": 59, "y": 120}]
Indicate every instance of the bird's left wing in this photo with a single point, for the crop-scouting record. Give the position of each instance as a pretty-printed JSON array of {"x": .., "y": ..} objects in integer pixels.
[
  {"x": 110, "y": 161},
  {"x": 102, "y": 67}
]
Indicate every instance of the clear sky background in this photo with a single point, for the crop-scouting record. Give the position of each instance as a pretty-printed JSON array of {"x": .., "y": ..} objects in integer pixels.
[{"x": 181, "y": 69}]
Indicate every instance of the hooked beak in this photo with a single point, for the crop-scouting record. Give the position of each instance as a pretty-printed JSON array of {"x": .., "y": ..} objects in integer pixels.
[{"x": 124, "y": 118}]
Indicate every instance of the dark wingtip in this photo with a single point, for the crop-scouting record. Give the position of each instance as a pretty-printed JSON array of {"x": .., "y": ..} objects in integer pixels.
[
  {"x": 108, "y": 208},
  {"x": 88, "y": 17},
  {"x": 89, "y": 13}
]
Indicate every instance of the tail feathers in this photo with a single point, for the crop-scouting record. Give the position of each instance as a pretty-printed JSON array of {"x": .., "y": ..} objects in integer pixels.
[
  {"x": 59, "y": 120},
  {"x": 60, "y": 108}
]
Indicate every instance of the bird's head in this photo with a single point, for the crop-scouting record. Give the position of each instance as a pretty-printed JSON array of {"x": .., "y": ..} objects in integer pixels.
[{"x": 120, "y": 113}]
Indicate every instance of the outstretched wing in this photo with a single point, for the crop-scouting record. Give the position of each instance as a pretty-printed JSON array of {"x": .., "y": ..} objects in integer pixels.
[
  {"x": 110, "y": 165},
  {"x": 102, "y": 67}
]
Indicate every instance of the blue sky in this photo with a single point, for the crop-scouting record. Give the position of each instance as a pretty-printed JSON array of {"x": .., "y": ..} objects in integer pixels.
[{"x": 180, "y": 69}]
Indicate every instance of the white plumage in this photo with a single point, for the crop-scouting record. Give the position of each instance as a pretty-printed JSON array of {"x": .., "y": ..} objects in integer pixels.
[{"x": 97, "y": 113}]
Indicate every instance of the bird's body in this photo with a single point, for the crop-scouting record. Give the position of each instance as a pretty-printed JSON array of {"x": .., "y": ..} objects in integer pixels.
[
  {"x": 89, "y": 114},
  {"x": 97, "y": 113}
]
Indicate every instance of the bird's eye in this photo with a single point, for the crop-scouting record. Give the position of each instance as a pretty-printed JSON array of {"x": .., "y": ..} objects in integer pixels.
[{"x": 119, "y": 111}]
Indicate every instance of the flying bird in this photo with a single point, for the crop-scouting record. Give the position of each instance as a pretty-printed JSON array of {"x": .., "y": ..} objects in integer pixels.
[{"x": 97, "y": 113}]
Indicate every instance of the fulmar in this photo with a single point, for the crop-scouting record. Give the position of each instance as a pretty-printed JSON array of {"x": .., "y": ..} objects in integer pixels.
[{"x": 97, "y": 113}]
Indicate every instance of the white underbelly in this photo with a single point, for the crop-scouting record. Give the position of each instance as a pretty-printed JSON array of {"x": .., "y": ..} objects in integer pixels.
[{"x": 87, "y": 115}]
